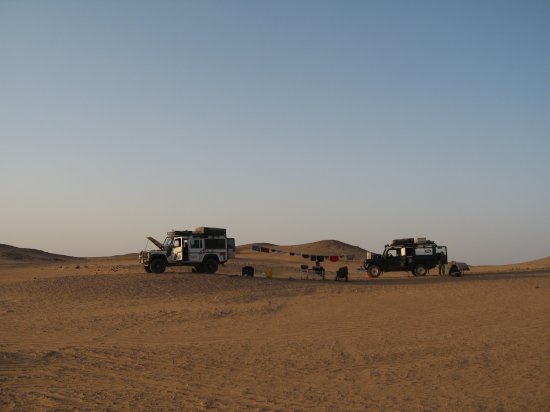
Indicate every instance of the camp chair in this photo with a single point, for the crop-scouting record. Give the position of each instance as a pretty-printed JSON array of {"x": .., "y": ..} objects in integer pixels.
[
  {"x": 304, "y": 271},
  {"x": 318, "y": 270},
  {"x": 342, "y": 273}
]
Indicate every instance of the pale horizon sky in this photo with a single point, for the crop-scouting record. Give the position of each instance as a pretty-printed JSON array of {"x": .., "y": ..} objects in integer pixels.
[{"x": 283, "y": 121}]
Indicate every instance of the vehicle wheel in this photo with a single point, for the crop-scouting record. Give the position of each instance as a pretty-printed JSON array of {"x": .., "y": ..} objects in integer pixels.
[
  {"x": 420, "y": 270},
  {"x": 374, "y": 271},
  {"x": 157, "y": 266},
  {"x": 210, "y": 265},
  {"x": 147, "y": 269}
]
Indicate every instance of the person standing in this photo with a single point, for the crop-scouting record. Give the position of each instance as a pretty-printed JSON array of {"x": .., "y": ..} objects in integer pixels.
[{"x": 441, "y": 264}]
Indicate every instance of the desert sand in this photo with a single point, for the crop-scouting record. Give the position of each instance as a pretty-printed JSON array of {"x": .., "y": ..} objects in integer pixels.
[{"x": 100, "y": 334}]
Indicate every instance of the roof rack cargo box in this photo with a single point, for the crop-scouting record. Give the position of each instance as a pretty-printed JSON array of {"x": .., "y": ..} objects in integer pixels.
[
  {"x": 424, "y": 241},
  {"x": 406, "y": 241},
  {"x": 213, "y": 231},
  {"x": 173, "y": 233}
]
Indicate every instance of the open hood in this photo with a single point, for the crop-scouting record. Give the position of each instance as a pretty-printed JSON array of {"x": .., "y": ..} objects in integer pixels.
[{"x": 156, "y": 242}]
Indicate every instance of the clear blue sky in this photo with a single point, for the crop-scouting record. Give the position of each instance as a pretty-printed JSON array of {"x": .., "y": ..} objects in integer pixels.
[{"x": 284, "y": 121}]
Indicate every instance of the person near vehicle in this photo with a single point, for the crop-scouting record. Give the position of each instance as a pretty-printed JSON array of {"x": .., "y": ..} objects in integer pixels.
[{"x": 441, "y": 265}]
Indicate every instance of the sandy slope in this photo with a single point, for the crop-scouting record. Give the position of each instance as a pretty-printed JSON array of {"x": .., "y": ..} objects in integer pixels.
[
  {"x": 539, "y": 264},
  {"x": 184, "y": 341},
  {"x": 16, "y": 255},
  {"x": 100, "y": 334}
]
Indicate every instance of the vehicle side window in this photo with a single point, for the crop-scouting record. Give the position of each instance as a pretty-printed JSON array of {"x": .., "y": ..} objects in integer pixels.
[
  {"x": 196, "y": 243},
  {"x": 177, "y": 242},
  {"x": 214, "y": 243},
  {"x": 393, "y": 253}
]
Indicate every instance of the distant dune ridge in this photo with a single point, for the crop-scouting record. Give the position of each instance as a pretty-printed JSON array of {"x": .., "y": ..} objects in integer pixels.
[
  {"x": 13, "y": 254},
  {"x": 321, "y": 247},
  {"x": 538, "y": 264}
]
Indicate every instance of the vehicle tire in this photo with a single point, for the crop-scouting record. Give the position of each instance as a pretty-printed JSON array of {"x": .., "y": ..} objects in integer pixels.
[
  {"x": 420, "y": 270},
  {"x": 374, "y": 271},
  {"x": 157, "y": 266},
  {"x": 147, "y": 269},
  {"x": 210, "y": 265}
]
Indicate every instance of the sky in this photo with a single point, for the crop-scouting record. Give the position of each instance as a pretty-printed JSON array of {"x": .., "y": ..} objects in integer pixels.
[{"x": 283, "y": 121}]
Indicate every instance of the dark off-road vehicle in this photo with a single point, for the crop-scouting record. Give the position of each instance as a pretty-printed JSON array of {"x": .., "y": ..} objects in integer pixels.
[{"x": 418, "y": 257}]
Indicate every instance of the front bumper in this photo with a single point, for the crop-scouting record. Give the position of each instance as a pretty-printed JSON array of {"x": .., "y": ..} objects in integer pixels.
[{"x": 144, "y": 257}]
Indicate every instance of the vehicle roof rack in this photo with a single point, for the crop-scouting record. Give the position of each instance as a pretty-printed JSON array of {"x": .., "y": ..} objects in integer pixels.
[
  {"x": 214, "y": 231},
  {"x": 405, "y": 241},
  {"x": 424, "y": 241},
  {"x": 180, "y": 233}
]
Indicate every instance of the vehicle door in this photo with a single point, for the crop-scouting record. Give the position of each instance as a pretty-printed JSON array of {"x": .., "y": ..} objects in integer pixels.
[
  {"x": 230, "y": 248},
  {"x": 442, "y": 251},
  {"x": 392, "y": 259},
  {"x": 407, "y": 258},
  {"x": 196, "y": 247},
  {"x": 177, "y": 249}
]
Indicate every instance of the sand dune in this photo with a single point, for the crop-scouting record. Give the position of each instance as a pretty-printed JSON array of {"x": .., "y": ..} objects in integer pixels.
[
  {"x": 12, "y": 254},
  {"x": 322, "y": 247},
  {"x": 100, "y": 334},
  {"x": 538, "y": 264}
]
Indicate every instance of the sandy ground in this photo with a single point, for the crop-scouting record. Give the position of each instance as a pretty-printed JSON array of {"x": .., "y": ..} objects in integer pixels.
[{"x": 100, "y": 334}]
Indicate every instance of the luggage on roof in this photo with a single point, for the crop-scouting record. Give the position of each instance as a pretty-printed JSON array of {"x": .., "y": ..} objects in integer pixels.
[
  {"x": 406, "y": 241},
  {"x": 214, "y": 231}
]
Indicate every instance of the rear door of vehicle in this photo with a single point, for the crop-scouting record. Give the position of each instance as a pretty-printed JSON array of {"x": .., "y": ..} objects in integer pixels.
[{"x": 230, "y": 248}]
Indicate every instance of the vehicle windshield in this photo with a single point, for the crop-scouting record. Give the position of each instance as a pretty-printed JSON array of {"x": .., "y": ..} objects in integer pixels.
[{"x": 168, "y": 242}]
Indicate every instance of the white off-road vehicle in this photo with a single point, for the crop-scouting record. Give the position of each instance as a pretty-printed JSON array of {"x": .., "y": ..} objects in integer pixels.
[{"x": 204, "y": 249}]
